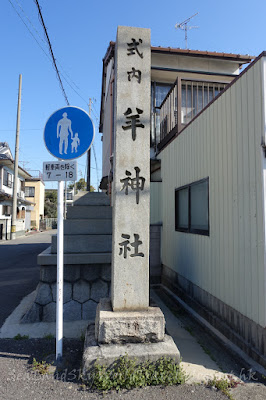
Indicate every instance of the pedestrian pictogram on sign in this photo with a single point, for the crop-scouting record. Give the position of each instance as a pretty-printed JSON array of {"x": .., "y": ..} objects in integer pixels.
[{"x": 68, "y": 133}]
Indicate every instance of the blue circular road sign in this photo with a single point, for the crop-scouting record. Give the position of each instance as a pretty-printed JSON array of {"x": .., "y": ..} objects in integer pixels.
[{"x": 68, "y": 133}]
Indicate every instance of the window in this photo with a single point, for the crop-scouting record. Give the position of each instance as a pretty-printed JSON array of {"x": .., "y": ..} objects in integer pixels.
[
  {"x": 159, "y": 92},
  {"x": 29, "y": 191},
  {"x": 6, "y": 210},
  {"x": 196, "y": 96},
  {"x": 7, "y": 179},
  {"x": 192, "y": 208}
]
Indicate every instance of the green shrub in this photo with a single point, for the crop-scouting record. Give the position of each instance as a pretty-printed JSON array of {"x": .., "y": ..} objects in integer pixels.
[{"x": 127, "y": 374}]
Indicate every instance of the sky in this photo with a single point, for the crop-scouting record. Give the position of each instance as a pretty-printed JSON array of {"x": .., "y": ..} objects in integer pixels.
[{"x": 80, "y": 32}]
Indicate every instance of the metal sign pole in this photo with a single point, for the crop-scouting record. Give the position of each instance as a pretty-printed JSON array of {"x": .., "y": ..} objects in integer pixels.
[
  {"x": 65, "y": 124},
  {"x": 60, "y": 270}
]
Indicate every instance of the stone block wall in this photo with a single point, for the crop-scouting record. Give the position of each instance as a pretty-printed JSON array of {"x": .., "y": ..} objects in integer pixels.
[
  {"x": 155, "y": 253},
  {"x": 84, "y": 285}
]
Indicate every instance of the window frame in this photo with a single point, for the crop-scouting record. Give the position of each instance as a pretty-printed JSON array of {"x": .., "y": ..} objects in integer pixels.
[
  {"x": 29, "y": 189},
  {"x": 204, "y": 232},
  {"x": 7, "y": 179}
]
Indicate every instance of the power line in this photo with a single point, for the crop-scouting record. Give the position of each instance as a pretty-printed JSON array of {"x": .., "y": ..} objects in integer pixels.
[
  {"x": 49, "y": 56},
  {"x": 51, "y": 51},
  {"x": 28, "y": 29},
  {"x": 77, "y": 90},
  {"x": 24, "y": 129}
]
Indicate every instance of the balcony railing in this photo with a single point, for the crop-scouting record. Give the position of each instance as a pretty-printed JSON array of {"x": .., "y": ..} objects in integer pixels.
[
  {"x": 35, "y": 174},
  {"x": 182, "y": 103}
]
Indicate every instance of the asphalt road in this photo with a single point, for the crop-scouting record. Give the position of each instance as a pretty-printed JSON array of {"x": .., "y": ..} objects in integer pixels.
[{"x": 19, "y": 271}]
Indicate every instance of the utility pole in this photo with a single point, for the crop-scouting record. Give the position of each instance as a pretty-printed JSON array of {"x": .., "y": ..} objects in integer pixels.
[
  {"x": 15, "y": 183},
  {"x": 89, "y": 158}
]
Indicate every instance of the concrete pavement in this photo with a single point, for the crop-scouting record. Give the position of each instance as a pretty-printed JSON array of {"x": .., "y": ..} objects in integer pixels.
[
  {"x": 19, "y": 271},
  {"x": 198, "y": 365}
]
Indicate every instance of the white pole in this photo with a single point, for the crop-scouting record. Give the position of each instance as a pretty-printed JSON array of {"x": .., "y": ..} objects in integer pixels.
[{"x": 60, "y": 270}]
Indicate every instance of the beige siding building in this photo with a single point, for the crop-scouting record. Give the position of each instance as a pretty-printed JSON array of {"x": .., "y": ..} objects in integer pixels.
[
  {"x": 224, "y": 269},
  {"x": 34, "y": 191},
  {"x": 208, "y": 185}
]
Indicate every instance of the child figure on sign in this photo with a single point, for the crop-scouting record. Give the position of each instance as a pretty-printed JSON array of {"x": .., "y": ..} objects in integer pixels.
[{"x": 75, "y": 143}]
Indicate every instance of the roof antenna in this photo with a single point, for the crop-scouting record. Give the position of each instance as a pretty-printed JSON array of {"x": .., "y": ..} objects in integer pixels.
[{"x": 183, "y": 25}]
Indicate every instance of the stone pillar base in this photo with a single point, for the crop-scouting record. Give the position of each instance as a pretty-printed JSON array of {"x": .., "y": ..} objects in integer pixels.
[
  {"x": 147, "y": 326},
  {"x": 106, "y": 354}
]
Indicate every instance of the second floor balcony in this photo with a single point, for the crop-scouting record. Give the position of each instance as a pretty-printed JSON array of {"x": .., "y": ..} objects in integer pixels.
[{"x": 185, "y": 99}]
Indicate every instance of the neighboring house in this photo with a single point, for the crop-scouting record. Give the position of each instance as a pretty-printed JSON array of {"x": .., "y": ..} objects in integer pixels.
[
  {"x": 69, "y": 196},
  {"x": 34, "y": 191},
  {"x": 6, "y": 195},
  {"x": 208, "y": 186}
]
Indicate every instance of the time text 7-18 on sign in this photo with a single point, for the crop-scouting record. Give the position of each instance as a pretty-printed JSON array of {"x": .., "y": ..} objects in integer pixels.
[{"x": 60, "y": 171}]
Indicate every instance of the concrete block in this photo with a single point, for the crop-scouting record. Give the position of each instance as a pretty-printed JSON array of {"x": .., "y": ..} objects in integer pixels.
[
  {"x": 71, "y": 273},
  {"x": 91, "y": 272},
  {"x": 106, "y": 272},
  {"x": 49, "y": 312},
  {"x": 32, "y": 315},
  {"x": 87, "y": 226},
  {"x": 44, "y": 294},
  {"x": 48, "y": 258},
  {"x": 84, "y": 244},
  {"x": 91, "y": 198},
  {"x": 99, "y": 289},
  {"x": 72, "y": 311},
  {"x": 67, "y": 291},
  {"x": 81, "y": 291},
  {"x": 48, "y": 274},
  {"x": 106, "y": 354},
  {"x": 87, "y": 212},
  {"x": 128, "y": 326},
  {"x": 89, "y": 310}
]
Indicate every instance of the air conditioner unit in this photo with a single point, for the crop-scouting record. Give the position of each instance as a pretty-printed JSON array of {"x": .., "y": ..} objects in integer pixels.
[{"x": 21, "y": 194}]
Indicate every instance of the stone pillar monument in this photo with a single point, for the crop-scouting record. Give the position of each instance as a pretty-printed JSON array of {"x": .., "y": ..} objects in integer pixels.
[
  {"x": 131, "y": 185},
  {"x": 126, "y": 323}
]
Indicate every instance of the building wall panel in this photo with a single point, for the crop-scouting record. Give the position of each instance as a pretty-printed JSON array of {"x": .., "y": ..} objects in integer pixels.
[
  {"x": 156, "y": 205},
  {"x": 224, "y": 144}
]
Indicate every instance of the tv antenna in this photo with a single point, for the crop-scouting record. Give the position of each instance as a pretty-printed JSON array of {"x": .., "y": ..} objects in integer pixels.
[{"x": 184, "y": 27}]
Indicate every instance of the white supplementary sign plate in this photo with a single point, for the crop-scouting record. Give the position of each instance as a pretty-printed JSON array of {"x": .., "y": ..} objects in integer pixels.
[{"x": 60, "y": 171}]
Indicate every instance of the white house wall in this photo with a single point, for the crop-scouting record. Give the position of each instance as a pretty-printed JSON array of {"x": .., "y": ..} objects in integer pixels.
[
  {"x": 224, "y": 144},
  {"x": 194, "y": 63},
  {"x": 107, "y": 125}
]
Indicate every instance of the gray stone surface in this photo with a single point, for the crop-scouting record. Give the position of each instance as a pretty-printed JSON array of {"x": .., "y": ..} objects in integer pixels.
[
  {"x": 99, "y": 289},
  {"x": 87, "y": 226},
  {"x": 67, "y": 291},
  {"x": 106, "y": 272},
  {"x": 48, "y": 274},
  {"x": 106, "y": 354},
  {"x": 72, "y": 311},
  {"x": 131, "y": 210},
  {"x": 71, "y": 273},
  {"x": 89, "y": 310},
  {"x": 81, "y": 291},
  {"x": 44, "y": 294},
  {"x": 128, "y": 326},
  {"x": 84, "y": 244},
  {"x": 91, "y": 198},
  {"x": 88, "y": 212},
  {"x": 91, "y": 272},
  {"x": 49, "y": 312},
  {"x": 32, "y": 315},
  {"x": 155, "y": 252},
  {"x": 48, "y": 258}
]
